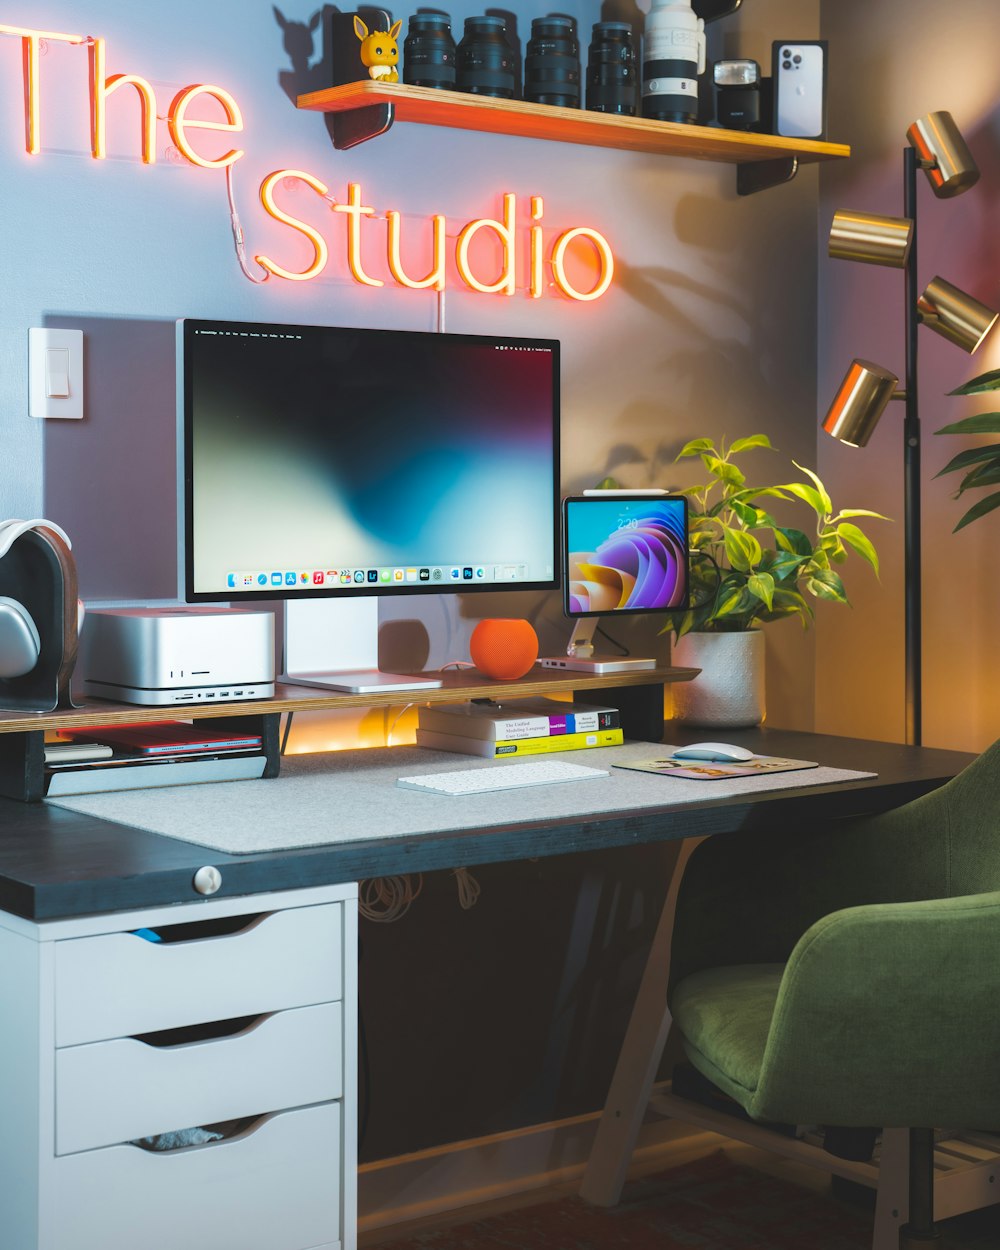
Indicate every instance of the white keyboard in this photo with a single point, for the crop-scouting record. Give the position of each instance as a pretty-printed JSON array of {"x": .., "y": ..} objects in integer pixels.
[{"x": 501, "y": 777}]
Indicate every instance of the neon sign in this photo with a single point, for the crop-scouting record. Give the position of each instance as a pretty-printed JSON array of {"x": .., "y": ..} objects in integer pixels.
[{"x": 184, "y": 128}]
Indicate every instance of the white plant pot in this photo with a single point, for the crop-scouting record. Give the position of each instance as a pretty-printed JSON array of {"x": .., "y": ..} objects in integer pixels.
[{"x": 728, "y": 693}]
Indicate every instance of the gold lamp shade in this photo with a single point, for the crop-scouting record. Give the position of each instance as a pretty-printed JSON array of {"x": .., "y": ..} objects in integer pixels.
[
  {"x": 954, "y": 315},
  {"x": 860, "y": 400},
  {"x": 869, "y": 238},
  {"x": 938, "y": 141}
]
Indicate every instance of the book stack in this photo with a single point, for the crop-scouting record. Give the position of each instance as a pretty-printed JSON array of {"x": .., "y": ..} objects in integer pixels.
[{"x": 517, "y": 727}]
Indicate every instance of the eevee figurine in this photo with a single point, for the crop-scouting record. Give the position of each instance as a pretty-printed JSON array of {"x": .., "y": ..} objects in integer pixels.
[{"x": 379, "y": 50}]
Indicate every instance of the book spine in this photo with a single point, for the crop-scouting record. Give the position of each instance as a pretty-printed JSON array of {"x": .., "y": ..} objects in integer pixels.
[
  {"x": 511, "y": 729},
  {"x": 520, "y": 746}
]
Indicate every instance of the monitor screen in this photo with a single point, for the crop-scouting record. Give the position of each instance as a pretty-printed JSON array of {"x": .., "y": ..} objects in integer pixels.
[
  {"x": 318, "y": 461},
  {"x": 625, "y": 553}
]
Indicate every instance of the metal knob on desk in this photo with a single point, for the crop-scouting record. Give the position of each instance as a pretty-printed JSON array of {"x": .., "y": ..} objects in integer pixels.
[{"x": 208, "y": 880}]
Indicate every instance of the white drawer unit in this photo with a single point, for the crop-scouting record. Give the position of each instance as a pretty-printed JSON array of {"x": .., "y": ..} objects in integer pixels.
[{"x": 238, "y": 1016}]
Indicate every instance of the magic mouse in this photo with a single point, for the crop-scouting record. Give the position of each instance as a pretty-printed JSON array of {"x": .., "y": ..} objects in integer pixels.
[{"x": 720, "y": 751}]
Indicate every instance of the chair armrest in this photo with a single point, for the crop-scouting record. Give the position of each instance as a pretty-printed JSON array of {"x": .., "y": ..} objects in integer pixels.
[
  {"x": 889, "y": 1014},
  {"x": 748, "y": 898}
]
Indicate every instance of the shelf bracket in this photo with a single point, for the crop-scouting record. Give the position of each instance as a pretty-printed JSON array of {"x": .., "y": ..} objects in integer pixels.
[
  {"x": 354, "y": 127},
  {"x": 757, "y": 176}
]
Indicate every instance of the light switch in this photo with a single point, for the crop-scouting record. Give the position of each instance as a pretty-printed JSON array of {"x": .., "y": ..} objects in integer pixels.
[{"x": 55, "y": 373}]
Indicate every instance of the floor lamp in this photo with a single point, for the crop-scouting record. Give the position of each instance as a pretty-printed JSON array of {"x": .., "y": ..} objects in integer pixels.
[{"x": 936, "y": 146}]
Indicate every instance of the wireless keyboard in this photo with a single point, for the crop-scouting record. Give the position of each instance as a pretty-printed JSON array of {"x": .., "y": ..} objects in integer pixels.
[{"x": 501, "y": 777}]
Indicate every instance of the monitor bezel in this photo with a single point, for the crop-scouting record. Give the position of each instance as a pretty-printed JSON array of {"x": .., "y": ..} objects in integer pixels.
[
  {"x": 185, "y": 329},
  {"x": 622, "y": 497}
]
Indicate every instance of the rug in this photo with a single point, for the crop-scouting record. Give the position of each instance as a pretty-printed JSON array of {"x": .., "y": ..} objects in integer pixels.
[{"x": 711, "y": 1203}]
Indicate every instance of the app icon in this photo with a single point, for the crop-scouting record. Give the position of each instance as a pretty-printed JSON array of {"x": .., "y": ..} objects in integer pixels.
[
  {"x": 318, "y": 577},
  {"x": 332, "y": 575},
  {"x": 411, "y": 575},
  {"x": 397, "y": 575},
  {"x": 373, "y": 575},
  {"x": 289, "y": 579},
  {"x": 261, "y": 579},
  {"x": 305, "y": 578},
  {"x": 231, "y": 581},
  {"x": 359, "y": 575},
  {"x": 467, "y": 573},
  {"x": 345, "y": 577},
  {"x": 276, "y": 579},
  {"x": 247, "y": 580},
  {"x": 436, "y": 575},
  {"x": 385, "y": 575},
  {"x": 456, "y": 574},
  {"x": 480, "y": 573},
  {"x": 425, "y": 575}
]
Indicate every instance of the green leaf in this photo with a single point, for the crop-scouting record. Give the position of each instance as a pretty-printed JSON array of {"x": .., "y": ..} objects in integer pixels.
[
  {"x": 793, "y": 541},
  {"x": 846, "y": 512},
  {"x": 724, "y": 471},
  {"x": 808, "y": 495},
  {"x": 971, "y": 455},
  {"x": 744, "y": 444},
  {"x": 742, "y": 549},
  {"x": 982, "y": 475},
  {"x": 981, "y": 423},
  {"x": 975, "y": 386},
  {"x": 859, "y": 542},
  {"x": 746, "y": 512},
  {"x": 694, "y": 448},
  {"x": 761, "y": 585},
  {"x": 821, "y": 489},
  {"x": 608, "y": 483},
  {"x": 978, "y": 510},
  {"x": 826, "y": 584}
]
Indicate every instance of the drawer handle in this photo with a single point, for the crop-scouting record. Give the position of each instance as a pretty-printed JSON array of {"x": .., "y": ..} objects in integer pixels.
[
  {"x": 210, "y": 1031},
  {"x": 201, "y": 930},
  {"x": 203, "y": 1136}
]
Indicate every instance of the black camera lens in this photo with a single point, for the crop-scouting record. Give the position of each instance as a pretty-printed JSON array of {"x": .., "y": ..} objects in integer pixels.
[
  {"x": 485, "y": 62},
  {"x": 429, "y": 52},
  {"x": 612, "y": 81},
  {"x": 552, "y": 63}
]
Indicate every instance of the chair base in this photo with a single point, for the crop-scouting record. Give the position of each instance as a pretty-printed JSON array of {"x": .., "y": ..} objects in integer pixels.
[{"x": 913, "y": 1240}]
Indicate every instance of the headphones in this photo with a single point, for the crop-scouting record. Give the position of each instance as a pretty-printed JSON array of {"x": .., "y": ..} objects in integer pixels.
[{"x": 20, "y": 644}]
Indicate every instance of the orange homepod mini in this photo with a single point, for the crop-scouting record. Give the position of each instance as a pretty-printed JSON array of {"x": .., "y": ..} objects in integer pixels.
[{"x": 504, "y": 649}]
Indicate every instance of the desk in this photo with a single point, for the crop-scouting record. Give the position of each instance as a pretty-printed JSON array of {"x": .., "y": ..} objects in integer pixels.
[{"x": 75, "y": 879}]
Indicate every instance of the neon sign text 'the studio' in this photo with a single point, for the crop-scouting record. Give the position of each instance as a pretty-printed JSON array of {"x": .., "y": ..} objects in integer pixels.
[{"x": 184, "y": 131}]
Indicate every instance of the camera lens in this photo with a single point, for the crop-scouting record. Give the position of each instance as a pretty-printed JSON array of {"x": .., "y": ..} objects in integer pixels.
[
  {"x": 552, "y": 63},
  {"x": 611, "y": 69},
  {"x": 485, "y": 62},
  {"x": 429, "y": 52}
]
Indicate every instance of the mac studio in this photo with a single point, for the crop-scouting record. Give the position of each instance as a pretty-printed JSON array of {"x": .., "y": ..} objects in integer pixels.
[{"x": 724, "y": 317}]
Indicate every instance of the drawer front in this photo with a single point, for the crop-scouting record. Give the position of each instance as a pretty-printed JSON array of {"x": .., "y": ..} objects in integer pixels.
[
  {"x": 118, "y": 984},
  {"x": 113, "y": 1092},
  {"x": 275, "y": 1188}
]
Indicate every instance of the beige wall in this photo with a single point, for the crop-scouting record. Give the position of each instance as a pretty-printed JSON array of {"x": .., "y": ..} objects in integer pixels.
[{"x": 892, "y": 62}]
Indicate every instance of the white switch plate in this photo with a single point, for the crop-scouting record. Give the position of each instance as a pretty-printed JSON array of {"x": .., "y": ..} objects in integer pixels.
[{"x": 55, "y": 354}]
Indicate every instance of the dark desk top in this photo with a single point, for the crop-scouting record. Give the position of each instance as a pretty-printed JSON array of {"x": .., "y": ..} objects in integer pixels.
[{"x": 57, "y": 863}]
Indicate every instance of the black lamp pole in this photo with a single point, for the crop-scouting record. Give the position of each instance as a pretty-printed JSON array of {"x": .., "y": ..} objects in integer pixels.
[{"x": 911, "y": 471}]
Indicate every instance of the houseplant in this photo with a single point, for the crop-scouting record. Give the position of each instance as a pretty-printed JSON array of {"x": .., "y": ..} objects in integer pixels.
[
  {"x": 748, "y": 568},
  {"x": 981, "y": 464}
]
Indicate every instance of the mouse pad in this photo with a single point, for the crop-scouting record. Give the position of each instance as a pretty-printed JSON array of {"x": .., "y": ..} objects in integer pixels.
[{"x": 711, "y": 770}]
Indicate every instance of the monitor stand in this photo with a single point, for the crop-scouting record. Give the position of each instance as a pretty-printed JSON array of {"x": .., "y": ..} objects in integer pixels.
[
  {"x": 333, "y": 643},
  {"x": 580, "y": 656}
]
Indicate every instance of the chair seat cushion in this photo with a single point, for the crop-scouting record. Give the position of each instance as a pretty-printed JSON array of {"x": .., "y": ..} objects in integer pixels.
[{"x": 724, "y": 1015}]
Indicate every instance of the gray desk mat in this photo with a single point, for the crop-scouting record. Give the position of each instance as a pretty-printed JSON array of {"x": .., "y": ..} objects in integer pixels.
[{"x": 352, "y": 796}]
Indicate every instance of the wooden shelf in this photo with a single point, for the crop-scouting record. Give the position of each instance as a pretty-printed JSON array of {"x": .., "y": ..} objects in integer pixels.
[
  {"x": 458, "y": 686},
  {"x": 539, "y": 121}
]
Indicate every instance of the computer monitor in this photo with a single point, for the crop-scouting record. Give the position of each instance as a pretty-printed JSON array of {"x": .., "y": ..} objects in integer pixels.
[
  {"x": 623, "y": 552},
  {"x": 330, "y": 466}
]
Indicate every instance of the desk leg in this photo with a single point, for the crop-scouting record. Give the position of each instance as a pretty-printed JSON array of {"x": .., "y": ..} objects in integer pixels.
[{"x": 638, "y": 1060}]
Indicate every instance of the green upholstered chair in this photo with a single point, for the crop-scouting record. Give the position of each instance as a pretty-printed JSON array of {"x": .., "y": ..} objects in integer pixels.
[{"x": 849, "y": 975}]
